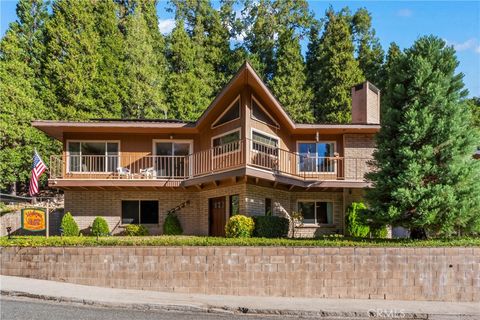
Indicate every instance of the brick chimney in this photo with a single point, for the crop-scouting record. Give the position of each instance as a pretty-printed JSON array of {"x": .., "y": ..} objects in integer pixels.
[{"x": 365, "y": 104}]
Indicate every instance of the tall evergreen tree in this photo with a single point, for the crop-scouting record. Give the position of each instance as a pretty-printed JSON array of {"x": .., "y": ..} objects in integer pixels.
[
  {"x": 143, "y": 83},
  {"x": 72, "y": 62},
  {"x": 370, "y": 54},
  {"x": 427, "y": 179},
  {"x": 289, "y": 84},
  {"x": 107, "y": 88},
  {"x": 21, "y": 52},
  {"x": 337, "y": 71},
  {"x": 188, "y": 92}
]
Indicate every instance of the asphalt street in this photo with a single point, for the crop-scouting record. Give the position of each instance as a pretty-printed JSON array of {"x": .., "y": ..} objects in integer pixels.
[{"x": 28, "y": 309}]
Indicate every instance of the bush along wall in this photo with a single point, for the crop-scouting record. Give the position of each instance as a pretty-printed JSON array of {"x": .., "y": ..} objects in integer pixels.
[{"x": 271, "y": 227}]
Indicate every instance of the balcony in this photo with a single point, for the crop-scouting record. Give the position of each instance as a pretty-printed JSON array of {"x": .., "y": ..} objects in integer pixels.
[{"x": 235, "y": 155}]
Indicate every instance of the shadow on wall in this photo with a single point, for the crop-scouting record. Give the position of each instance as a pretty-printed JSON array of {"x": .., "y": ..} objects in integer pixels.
[{"x": 13, "y": 220}]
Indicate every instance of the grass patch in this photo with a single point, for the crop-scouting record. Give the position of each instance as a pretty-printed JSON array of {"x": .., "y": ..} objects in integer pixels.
[{"x": 41, "y": 241}]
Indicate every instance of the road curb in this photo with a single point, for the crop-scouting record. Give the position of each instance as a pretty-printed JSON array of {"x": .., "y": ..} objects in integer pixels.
[{"x": 218, "y": 309}]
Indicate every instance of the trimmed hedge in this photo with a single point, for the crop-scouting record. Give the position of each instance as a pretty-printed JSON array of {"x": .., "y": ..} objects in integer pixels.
[
  {"x": 100, "y": 227},
  {"x": 172, "y": 225},
  {"x": 135, "y": 230},
  {"x": 69, "y": 226},
  {"x": 239, "y": 226},
  {"x": 271, "y": 227},
  {"x": 41, "y": 241}
]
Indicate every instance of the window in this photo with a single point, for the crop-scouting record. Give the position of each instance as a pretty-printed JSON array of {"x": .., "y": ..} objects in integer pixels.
[
  {"x": 231, "y": 113},
  {"x": 92, "y": 156},
  {"x": 226, "y": 143},
  {"x": 234, "y": 204},
  {"x": 268, "y": 207},
  {"x": 259, "y": 114},
  {"x": 139, "y": 212},
  {"x": 264, "y": 143},
  {"x": 317, "y": 157},
  {"x": 172, "y": 158},
  {"x": 317, "y": 212}
]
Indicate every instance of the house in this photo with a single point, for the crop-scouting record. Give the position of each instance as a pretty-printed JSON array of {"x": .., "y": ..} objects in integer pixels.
[{"x": 243, "y": 155}]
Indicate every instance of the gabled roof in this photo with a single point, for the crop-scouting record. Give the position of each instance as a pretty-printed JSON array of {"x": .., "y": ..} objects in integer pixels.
[{"x": 245, "y": 75}]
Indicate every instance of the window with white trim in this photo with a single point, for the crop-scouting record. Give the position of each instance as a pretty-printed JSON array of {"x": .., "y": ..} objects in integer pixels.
[
  {"x": 92, "y": 156},
  {"x": 226, "y": 143},
  {"x": 231, "y": 113},
  {"x": 316, "y": 212},
  {"x": 264, "y": 143},
  {"x": 316, "y": 156}
]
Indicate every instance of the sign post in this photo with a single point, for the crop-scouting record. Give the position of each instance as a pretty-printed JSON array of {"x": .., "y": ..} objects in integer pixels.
[{"x": 47, "y": 232}]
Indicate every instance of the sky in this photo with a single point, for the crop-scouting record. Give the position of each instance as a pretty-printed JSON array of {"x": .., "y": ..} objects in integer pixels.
[{"x": 457, "y": 22}]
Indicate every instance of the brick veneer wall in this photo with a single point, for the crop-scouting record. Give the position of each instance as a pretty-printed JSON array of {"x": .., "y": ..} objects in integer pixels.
[
  {"x": 357, "y": 149},
  {"x": 444, "y": 274},
  {"x": 284, "y": 202}
]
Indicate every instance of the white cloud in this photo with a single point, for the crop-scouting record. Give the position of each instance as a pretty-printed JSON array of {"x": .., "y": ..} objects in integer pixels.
[
  {"x": 166, "y": 26},
  {"x": 405, "y": 13},
  {"x": 470, "y": 44}
]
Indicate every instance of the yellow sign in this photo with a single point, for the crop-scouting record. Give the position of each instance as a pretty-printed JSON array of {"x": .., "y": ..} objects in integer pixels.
[{"x": 33, "y": 219}]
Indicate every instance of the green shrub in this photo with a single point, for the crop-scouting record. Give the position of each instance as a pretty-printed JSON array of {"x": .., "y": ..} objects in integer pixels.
[
  {"x": 69, "y": 226},
  {"x": 239, "y": 226},
  {"x": 100, "y": 227},
  {"x": 133, "y": 230},
  {"x": 354, "y": 226},
  {"x": 271, "y": 227},
  {"x": 380, "y": 232},
  {"x": 172, "y": 225}
]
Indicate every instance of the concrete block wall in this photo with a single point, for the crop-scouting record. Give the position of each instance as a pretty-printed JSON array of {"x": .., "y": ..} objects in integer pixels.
[{"x": 441, "y": 274}]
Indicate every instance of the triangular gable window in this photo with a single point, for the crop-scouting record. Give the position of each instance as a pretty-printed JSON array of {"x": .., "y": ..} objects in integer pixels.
[
  {"x": 260, "y": 114},
  {"x": 230, "y": 114}
]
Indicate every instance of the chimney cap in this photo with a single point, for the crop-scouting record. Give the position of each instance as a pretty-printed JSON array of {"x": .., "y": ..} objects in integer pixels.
[{"x": 370, "y": 85}]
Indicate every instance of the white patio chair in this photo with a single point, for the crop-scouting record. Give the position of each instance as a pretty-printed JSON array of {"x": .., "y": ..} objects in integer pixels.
[
  {"x": 123, "y": 172},
  {"x": 148, "y": 173}
]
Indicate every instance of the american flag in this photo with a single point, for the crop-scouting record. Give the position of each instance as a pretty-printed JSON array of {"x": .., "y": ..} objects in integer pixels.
[{"x": 37, "y": 169}]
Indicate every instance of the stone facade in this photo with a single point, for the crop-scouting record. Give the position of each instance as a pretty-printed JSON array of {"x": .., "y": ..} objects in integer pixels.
[{"x": 442, "y": 274}]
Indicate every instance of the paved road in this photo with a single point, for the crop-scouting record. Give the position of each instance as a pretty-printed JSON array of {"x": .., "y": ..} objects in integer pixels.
[{"x": 27, "y": 309}]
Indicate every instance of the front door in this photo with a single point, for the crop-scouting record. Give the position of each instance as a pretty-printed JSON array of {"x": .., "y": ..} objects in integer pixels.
[{"x": 217, "y": 217}]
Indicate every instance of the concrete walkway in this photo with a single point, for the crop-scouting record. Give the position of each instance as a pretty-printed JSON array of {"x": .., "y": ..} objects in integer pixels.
[{"x": 152, "y": 300}]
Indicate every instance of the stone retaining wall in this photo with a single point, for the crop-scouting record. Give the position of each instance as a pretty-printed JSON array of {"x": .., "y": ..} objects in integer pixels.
[{"x": 442, "y": 274}]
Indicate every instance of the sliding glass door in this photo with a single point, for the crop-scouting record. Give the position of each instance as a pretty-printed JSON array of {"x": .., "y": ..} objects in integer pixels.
[{"x": 171, "y": 160}]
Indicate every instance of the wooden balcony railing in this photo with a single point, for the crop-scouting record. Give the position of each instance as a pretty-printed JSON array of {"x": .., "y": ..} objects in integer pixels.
[{"x": 217, "y": 159}]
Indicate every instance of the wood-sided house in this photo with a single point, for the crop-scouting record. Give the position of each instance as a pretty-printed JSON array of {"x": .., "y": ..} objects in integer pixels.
[{"x": 243, "y": 155}]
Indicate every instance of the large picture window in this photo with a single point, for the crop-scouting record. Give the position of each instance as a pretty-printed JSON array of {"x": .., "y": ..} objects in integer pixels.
[
  {"x": 316, "y": 212},
  {"x": 92, "y": 156},
  {"x": 317, "y": 157},
  {"x": 264, "y": 143},
  {"x": 139, "y": 212},
  {"x": 226, "y": 143}
]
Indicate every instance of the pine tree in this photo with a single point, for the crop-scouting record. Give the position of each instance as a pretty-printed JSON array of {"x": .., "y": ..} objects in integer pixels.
[
  {"x": 313, "y": 63},
  {"x": 427, "y": 179},
  {"x": 370, "y": 54},
  {"x": 188, "y": 92},
  {"x": 142, "y": 83},
  {"x": 107, "y": 86},
  {"x": 289, "y": 84},
  {"x": 72, "y": 62},
  {"x": 20, "y": 61},
  {"x": 337, "y": 71}
]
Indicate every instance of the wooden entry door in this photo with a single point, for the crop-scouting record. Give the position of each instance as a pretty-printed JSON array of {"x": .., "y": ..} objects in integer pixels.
[{"x": 217, "y": 217}]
